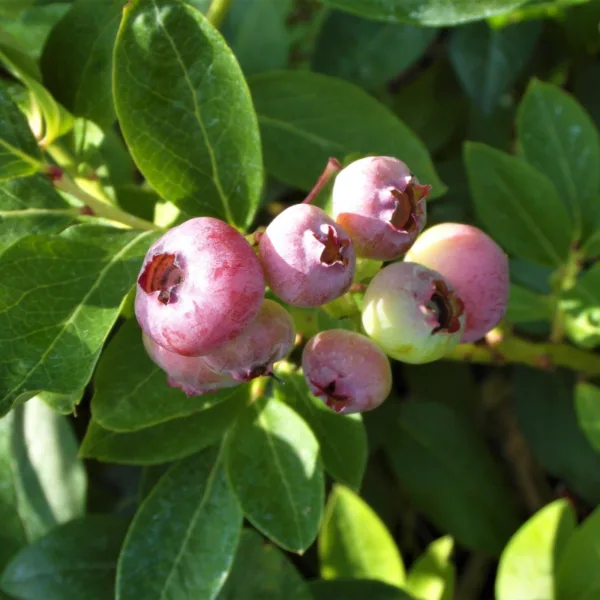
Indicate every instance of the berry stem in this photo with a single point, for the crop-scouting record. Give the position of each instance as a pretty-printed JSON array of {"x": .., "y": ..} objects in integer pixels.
[
  {"x": 512, "y": 349},
  {"x": 333, "y": 166},
  {"x": 64, "y": 183},
  {"x": 218, "y": 11}
]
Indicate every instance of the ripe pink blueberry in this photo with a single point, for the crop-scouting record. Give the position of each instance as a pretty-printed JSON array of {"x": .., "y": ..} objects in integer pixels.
[
  {"x": 413, "y": 313},
  {"x": 347, "y": 371},
  {"x": 475, "y": 265},
  {"x": 269, "y": 338},
  {"x": 380, "y": 204},
  {"x": 200, "y": 286},
  {"x": 307, "y": 257},
  {"x": 190, "y": 373}
]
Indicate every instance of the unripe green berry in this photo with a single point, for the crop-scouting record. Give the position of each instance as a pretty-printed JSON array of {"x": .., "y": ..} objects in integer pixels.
[{"x": 413, "y": 313}]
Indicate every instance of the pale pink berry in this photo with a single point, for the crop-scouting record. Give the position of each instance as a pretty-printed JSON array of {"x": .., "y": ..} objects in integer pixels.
[
  {"x": 190, "y": 373},
  {"x": 475, "y": 265},
  {"x": 347, "y": 371},
  {"x": 381, "y": 205},
  {"x": 307, "y": 257},
  {"x": 269, "y": 338},
  {"x": 413, "y": 313},
  {"x": 200, "y": 286}
]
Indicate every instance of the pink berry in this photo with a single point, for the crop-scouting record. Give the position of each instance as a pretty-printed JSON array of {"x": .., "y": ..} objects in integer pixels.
[
  {"x": 475, "y": 265},
  {"x": 200, "y": 286},
  {"x": 413, "y": 313},
  {"x": 190, "y": 373},
  {"x": 307, "y": 257},
  {"x": 347, "y": 371},
  {"x": 269, "y": 338},
  {"x": 380, "y": 204}
]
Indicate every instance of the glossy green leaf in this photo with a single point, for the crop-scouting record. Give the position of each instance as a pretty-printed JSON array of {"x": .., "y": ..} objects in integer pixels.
[
  {"x": 196, "y": 520},
  {"x": 12, "y": 528},
  {"x": 131, "y": 392},
  {"x": 185, "y": 111},
  {"x": 167, "y": 441},
  {"x": 50, "y": 480},
  {"x": 426, "y": 12},
  {"x": 546, "y": 413},
  {"x": 437, "y": 455},
  {"x": 32, "y": 26},
  {"x": 488, "y": 61},
  {"x": 56, "y": 119},
  {"x": 61, "y": 296},
  {"x": 578, "y": 571},
  {"x": 74, "y": 561},
  {"x": 432, "y": 576},
  {"x": 342, "y": 438},
  {"x": 356, "y": 589},
  {"x": 528, "y": 564},
  {"x": 11, "y": 8},
  {"x": 82, "y": 44},
  {"x": 518, "y": 206},
  {"x": 581, "y": 305},
  {"x": 258, "y": 33},
  {"x": 560, "y": 140},
  {"x": 354, "y": 543},
  {"x": 587, "y": 405},
  {"x": 274, "y": 466},
  {"x": 19, "y": 154},
  {"x": 525, "y": 306},
  {"x": 262, "y": 572},
  {"x": 63, "y": 404},
  {"x": 358, "y": 50},
  {"x": 29, "y": 206},
  {"x": 305, "y": 118}
]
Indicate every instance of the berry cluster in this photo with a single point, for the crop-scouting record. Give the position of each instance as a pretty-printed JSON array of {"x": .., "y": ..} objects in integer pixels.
[{"x": 200, "y": 293}]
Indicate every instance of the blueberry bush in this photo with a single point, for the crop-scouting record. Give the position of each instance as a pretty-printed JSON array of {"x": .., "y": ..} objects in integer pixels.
[{"x": 299, "y": 299}]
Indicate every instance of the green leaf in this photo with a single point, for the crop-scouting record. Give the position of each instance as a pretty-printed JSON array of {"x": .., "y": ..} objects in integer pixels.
[
  {"x": 450, "y": 475},
  {"x": 305, "y": 118},
  {"x": 11, "y": 8},
  {"x": 32, "y": 26},
  {"x": 167, "y": 441},
  {"x": 560, "y": 140},
  {"x": 196, "y": 520},
  {"x": 62, "y": 296},
  {"x": 432, "y": 576},
  {"x": 76, "y": 560},
  {"x": 19, "y": 154},
  {"x": 356, "y": 589},
  {"x": 12, "y": 528},
  {"x": 354, "y": 543},
  {"x": 56, "y": 120},
  {"x": 186, "y": 112},
  {"x": 29, "y": 206},
  {"x": 518, "y": 206},
  {"x": 63, "y": 404},
  {"x": 587, "y": 405},
  {"x": 488, "y": 61},
  {"x": 131, "y": 392},
  {"x": 527, "y": 568},
  {"x": 274, "y": 466},
  {"x": 82, "y": 44},
  {"x": 546, "y": 413},
  {"x": 526, "y": 306},
  {"x": 581, "y": 304},
  {"x": 258, "y": 33},
  {"x": 50, "y": 480},
  {"x": 358, "y": 50},
  {"x": 262, "y": 572},
  {"x": 342, "y": 438},
  {"x": 426, "y": 12},
  {"x": 578, "y": 572}
]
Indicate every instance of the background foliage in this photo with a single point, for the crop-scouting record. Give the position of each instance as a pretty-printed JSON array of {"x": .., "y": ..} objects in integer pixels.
[{"x": 480, "y": 475}]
